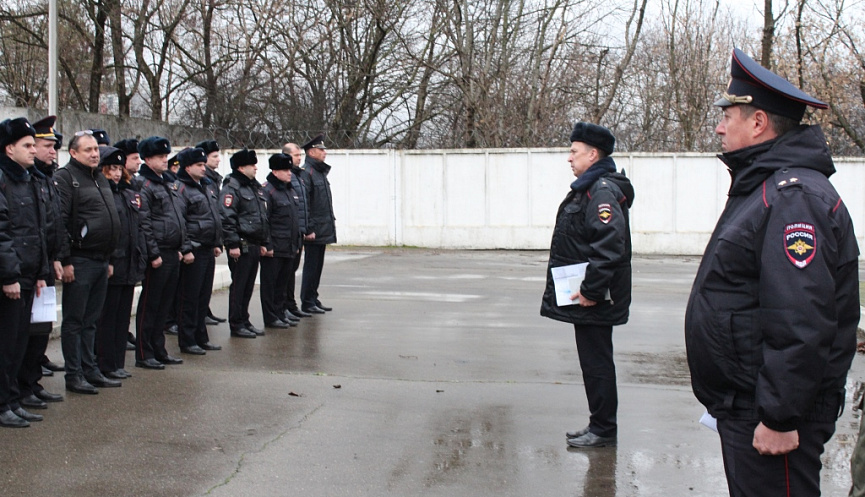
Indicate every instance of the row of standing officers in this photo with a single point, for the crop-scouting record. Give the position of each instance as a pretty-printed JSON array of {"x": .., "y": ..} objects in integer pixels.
[{"x": 118, "y": 215}]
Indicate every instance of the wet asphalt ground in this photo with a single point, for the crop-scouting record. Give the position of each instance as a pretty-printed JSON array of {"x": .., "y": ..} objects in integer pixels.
[{"x": 434, "y": 375}]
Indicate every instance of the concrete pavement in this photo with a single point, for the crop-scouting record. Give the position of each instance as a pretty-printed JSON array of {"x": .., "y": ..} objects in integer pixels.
[{"x": 434, "y": 375}]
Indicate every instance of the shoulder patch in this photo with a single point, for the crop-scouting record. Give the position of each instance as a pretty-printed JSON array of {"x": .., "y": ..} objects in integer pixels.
[
  {"x": 228, "y": 200},
  {"x": 136, "y": 200},
  {"x": 605, "y": 214},
  {"x": 800, "y": 243}
]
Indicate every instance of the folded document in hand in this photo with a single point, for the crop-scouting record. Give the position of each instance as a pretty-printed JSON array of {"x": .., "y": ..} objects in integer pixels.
[{"x": 567, "y": 281}]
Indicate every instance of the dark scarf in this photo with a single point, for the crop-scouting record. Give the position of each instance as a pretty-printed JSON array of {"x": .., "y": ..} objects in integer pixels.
[{"x": 593, "y": 173}]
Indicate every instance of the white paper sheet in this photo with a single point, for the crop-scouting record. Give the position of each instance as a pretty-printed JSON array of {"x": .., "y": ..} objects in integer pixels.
[{"x": 44, "y": 308}]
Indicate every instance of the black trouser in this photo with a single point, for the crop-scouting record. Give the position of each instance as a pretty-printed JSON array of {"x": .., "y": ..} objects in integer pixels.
[
  {"x": 243, "y": 272},
  {"x": 113, "y": 329},
  {"x": 196, "y": 285},
  {"x": 30, "y": 371},
  {"x": 313, "y": 263},
  {"x": 157, "y": 295},
  {"x": 83, "y": 300},
  {"x": 274, "y": 271},
  {"x": 290, "y": 303},
  {"x": 15, "y": 319},
  {"x": 595, "y": 349},
  {"x": 750, "y": 474}
]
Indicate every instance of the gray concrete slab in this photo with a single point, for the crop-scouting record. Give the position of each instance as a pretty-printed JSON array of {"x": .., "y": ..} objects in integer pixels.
[{"x": 434, "y": 375}]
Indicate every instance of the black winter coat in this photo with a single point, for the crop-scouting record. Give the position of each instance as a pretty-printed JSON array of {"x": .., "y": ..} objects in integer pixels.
[
  {"x": 282, "y": 216},
  {"x": 200, "y": 206},
  {"x": 322, "y": 222},
  {"x": 23, "y": 251},
  {"x": 215, "y": 178},
  {"x": 57, "y": 240},
  {"x": 298, "y": 183},
  {"x": 94, "y": 227},
  {"x": 243, "y": 212},
  {"x": 161, "y": 216},
  {"x": 130, "y": 257},
  {"x": 770, "y": 326},
  {"x": 593, "y": 226}
]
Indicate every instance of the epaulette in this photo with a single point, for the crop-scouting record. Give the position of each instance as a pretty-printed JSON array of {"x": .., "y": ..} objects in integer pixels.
[{"x": 785, "y": 178}]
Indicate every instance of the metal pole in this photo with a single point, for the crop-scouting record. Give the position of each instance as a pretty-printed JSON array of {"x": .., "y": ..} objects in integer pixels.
[{"x": 52, "y": 57}]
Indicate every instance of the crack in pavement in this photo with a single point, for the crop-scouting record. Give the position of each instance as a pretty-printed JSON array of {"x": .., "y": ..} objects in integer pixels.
[{"x": 242, "y": 459}]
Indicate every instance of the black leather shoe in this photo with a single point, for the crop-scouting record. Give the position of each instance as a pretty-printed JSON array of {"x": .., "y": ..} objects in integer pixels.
[
  {"x": 48, "y": 396},
  {"x": 591, "y": 440},
  {"x": 53, "y": 366},
  {"x": 299, "y": 313},
  {"x": 124, "y": 373},
  {"x": 47, "y": 372},
  {"x": 313, "y": 310},
  {"x": 10, "y": 420},
  {"x": 27, "y": 416},
  {"x": 130, "y": 346},
  {"x": 287, "y": 316},
  {"x": 169, "y": 359},
  {"x": 33, "y": 402},
  {"x": 242, "y": 333},
  {"x": 211, "y": 346},
  {"x": 252, "y": 329},
  {"x": 102, "y": 382},
  {"x": 149, "y": 364},
  {"x": 277, "y": 324},
  {"x": 194, "y": 350},
  {"x": 80, "y": 385},
  {"x": 171, "y": 330},
  {"x": 114, "y": 375},
  {"x": 215, "y": 318},
  {"x": 323, "y": 307},
  {"x": 209, "y": 321},
  {"x": 577, "y": 434}
]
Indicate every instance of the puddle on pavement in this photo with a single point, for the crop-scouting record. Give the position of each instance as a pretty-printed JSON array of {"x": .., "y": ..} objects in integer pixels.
[{"x": 668, "y": 368}]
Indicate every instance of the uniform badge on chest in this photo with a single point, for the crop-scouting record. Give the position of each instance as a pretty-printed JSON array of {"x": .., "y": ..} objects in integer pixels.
[
  {"x": 800, "y": 242},
  {"x": 228, "y": 200},
  {"x": 136, "y": 201}
]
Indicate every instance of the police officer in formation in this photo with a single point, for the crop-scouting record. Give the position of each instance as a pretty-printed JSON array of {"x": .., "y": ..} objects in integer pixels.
[
  {"x": 33, "y": 394},
  {"x": 770, "y": 327},
  {"x": 285, "y": 242},
  {"x": 298, "y": 184},
  {"x": 244, "y": 225},
  {"x": 165, "y": 232},
  {"x": 127, "y": 263},
  {"x": 321, "y": 230},
  {"x": 200, "y": 206},
  {"x": 24, "y": 263},
  {"x": 214, "y": 158}
]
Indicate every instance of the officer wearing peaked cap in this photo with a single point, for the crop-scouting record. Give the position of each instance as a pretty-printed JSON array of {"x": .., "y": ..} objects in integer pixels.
[
  {"x": 321, "y": 229},
  {"x": 244, "y": 227},
  {"x": 770, "y": 327}
]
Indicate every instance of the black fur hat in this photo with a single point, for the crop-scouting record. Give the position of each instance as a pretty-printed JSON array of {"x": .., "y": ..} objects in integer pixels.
[
  {"x": 191, "y": 156},
  {"x": 594, "y": 135},
  {"x": 209, "y": 146},
  {"x": 280, "y": 161},
  {"x": 127, "y": 145},
  {"x": 242, "y": 158},
  {"x": 110, "y": 156},
  {"x": 12, "y": 130},
  {"x": 154, "y": 145},
  {"x": 101, "y": 136}
]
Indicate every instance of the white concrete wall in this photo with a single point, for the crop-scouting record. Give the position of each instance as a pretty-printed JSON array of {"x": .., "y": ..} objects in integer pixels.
[{"x": 507, "y": 198}]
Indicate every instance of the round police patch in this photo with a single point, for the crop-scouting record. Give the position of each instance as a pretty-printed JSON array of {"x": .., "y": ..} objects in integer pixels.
[
  {"x": 800, "y": 243},
  {"x": 227, "y": 201},
  {"x": 605, "y": 213}
]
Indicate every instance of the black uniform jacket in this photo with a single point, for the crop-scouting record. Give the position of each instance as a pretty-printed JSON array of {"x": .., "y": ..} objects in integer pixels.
[
  {"x": 130, "y": 257},
  {"x": 55, "y": 231},
  {"x": 322, "y": 222},
  {"x": 96, "y": 224},
  {"x": 161, "y": 216},
  {"x": 243, "y": 212},
  {"x": 282, "y": 214},
  {"x": 593, "y": 226},
  {"x": 298, "y": 183},
  {"x": 215, "y": 178},
  {"x": 200, "y": 205},
  {"x": 23, "y": 251},
  {"x": 770, "y": 326}
]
